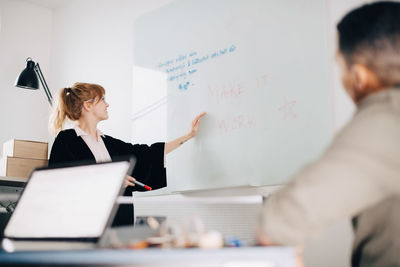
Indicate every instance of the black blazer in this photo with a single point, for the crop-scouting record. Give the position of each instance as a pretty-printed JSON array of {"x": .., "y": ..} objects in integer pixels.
[{"x": 69, "y": 148}]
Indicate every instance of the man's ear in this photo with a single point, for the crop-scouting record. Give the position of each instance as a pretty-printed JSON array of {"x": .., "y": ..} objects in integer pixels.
[{"x": 364, "y": 78}]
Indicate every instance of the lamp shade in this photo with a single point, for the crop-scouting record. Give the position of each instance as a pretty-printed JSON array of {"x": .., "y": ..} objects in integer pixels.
[{"x": 28, "y": 78}]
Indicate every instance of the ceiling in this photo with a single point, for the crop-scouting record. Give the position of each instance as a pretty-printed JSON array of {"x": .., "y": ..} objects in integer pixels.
[{"x": 52, "y": 4}]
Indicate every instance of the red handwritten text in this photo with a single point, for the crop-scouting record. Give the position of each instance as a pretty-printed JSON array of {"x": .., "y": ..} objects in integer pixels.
[
  {"x": 287, "y": 109},
  {"x": 235, "y": 123},
  {"x": 225, "y": 92},
  {"x": 262, "y": 81}
]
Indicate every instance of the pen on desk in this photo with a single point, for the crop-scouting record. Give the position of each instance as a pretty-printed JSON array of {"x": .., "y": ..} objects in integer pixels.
[{"x": 142, "y": 185}]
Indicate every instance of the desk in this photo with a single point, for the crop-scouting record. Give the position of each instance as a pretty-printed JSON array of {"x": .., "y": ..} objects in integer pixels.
[
  {"x": 245, "y": 256},
  {"x": 12, "y": 182},
  {"x": 11, "y": 188}
]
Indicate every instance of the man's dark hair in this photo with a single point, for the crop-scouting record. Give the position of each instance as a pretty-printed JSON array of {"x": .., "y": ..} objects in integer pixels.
[{"x": 370, "y": 35}]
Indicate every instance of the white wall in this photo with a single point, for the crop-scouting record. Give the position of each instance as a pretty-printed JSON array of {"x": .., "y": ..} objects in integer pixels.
[
  {"x": 25, "y": 32},
  {"x": 93, "y": 42},
  {"x": 74, "y": 40}
]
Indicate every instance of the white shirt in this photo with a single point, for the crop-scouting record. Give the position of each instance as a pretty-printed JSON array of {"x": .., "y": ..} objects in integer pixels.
[{"x": 97, "y": 147}]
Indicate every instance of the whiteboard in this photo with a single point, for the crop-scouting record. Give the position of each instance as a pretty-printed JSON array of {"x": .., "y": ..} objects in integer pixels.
[{"x": 259, "y": 70}]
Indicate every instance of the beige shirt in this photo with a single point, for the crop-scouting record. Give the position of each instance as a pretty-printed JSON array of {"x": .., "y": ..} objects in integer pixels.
[
  {"x": 376, "y": 235},
  {"x": 358, "y": 170},
  {"x": 97, "y": 147}
]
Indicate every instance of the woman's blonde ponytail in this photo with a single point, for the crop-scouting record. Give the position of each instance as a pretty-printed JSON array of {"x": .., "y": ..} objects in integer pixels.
[{"x": 58, "y": 115}]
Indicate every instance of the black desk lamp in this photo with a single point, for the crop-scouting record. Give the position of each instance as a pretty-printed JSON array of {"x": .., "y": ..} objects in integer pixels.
[{"x": 28, "y": 78}]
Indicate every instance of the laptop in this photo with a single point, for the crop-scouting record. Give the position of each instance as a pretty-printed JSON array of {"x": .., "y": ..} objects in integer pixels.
[{"x": 66, "y": 208}]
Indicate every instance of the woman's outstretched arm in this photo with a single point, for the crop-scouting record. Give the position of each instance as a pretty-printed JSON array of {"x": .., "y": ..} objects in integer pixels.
[{"x": 172, "y": 145}]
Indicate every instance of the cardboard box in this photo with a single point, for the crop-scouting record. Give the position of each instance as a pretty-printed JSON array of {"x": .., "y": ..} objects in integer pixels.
[
  {"x": 25, "y": 149},
  {"x": 20, "y": 167}
]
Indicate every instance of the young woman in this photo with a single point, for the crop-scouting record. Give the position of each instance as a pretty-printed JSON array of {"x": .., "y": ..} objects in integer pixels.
[{"x": 85, "y": 104}]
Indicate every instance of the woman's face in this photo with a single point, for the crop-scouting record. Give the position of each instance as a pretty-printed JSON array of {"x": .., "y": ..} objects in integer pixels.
[{"x": 99, "y": 108}]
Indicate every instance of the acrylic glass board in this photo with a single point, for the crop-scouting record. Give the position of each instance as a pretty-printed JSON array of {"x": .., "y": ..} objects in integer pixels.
[{"x": 259, "y": 70}]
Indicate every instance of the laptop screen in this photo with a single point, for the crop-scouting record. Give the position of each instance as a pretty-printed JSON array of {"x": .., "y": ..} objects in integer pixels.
[{"x": 72, "y": 202}]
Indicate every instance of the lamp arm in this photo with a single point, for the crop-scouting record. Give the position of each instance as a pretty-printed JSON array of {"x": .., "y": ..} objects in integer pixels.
[{"x": 44, "y": 84}]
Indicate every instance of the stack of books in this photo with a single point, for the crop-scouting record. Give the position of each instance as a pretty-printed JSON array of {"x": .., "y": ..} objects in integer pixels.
[{"x": 20, "y": 157}]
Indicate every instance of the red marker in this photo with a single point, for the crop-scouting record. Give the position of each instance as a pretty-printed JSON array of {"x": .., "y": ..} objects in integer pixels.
[{"x": 142, "y": 185}]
